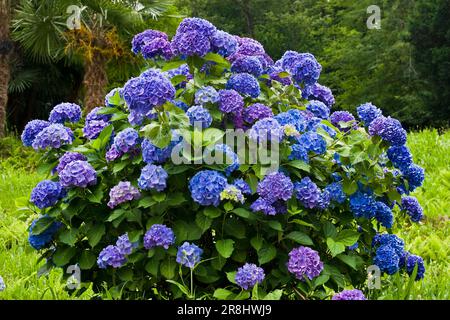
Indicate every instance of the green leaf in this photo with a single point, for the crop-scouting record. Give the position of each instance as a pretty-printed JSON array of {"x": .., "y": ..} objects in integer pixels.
[
  {"x": 243, "y": 295},
  {"x": 275, "y": 225},
  {"x": 146, "y": 202},
  {"x": 125, "y": 274},
  {"x": 335, "y": 247},
  {"x": 69, "y": 236},
  {"x": 256, "y": 243},
  {"x": 349, "y": 186},
  {"x": 228, "y": 206},
  {"x": 41, "y": 225},
  {"x": 329, "y": 230},
  {"x": 299, "y": 164},
  {"x": 119, "y": 166},
  {"x": 103, "y": 138},
  {"x": 300, "y": 237},
  {"x": 87, "y": 260},
  {"x": 231, "y": 276},
  {"x": 203, "y": 222},
  {"x": 152, "y": 267},
  {"x": 241, "y": 212},
  {"x": 173, "y": 65},
  {"x": 267, "y": 254},
  {"x": 347, "y": 237},
  {"x": 217, "y": 58},
  {"x": 225, "y": 247},
  {"x": 96, "y": 196},
  {"x": 168, "y": 268},
  {"x": 222, "y": 294},
  {"x": 116, "y": 214},
  {"x": 235, "y": 228},
  {"x": 176, "y": 80},
  {"x": 158, "y": 133},
  {"x": 320, "y": 280},
  {"x": 274, "y": 295},
  {"x": 212, "y": 212},
  {"x": 351, "y": 260},
  {"x": 180, "y": 286},
  {"x": 95, "y": 233},
  {"x": 211, "y": 136},
  {"x": 63, "y": 255}
]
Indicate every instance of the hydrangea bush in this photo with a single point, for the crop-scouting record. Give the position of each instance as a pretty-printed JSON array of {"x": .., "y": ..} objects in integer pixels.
[{"x": 139, "y": 223}]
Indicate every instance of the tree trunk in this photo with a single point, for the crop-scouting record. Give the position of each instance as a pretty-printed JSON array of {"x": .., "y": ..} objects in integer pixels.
[
  {"x": 5, "y": 54},
  {"x": 95, "y": 82}
]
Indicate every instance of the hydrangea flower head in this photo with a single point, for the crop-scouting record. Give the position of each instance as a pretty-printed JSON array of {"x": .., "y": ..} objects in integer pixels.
[
  {"x": 384, "y": 215},
  {"x": 46, "y": 194},
  {"x": 122, "y": 192},
  {"x": 412, "y": 208},
  {"x": 65, "y": 112},
  {"x": 189, "y": 255},
  {"x": 43, "y": 239},
  {"x": 124, "y": 245},
  {"x": 337, "y": 192},
  {"x": 307, "y": 192},
  {"x": 342, "y": 116},
  {"x": 319, "y": 109},
  {"x": 313, "y": 142},
  {"x": 229, "y": 157},
  {"x": 275, "y": 186},
  {"x": 206, "y": 186},
  {"x": 193, "y": 37},
  {"x": 54, "y": 136},
  {"x": 153, "y": 177},
  {"x": 389, "y": 240},
  {"x": 257, "y": 112},
  {"x": 411, "y": 262},
  {"x": 93, "y": 128},
  {"x": 206, "y": 95},
  {"x": 354, "y": 294},
  {"x": 127, "y": 140},
  {"x": 304, "y": 262},
  {"x": 247, "y": 64},
  {"x": 95, "y": 115},
  {"x": 78, "y": 174},
  {"x": 415, "y": 176},
  {"x": 388, "y": 129},
  {"x": 230, "y": 101},
  {"x": 245, "y": 84},
  {"x": 224, "y": 43},
  {"x": 142, "y": 39},
  {"x": 67, "y": 158},
  {"x": 249, "y": 275},
  {"x": 232, "y": 193},
  {"x": 243, "y": 186},
  {"x": 387, "y": 259},
  {"x": 363, "y": 205},
  {"x": 111, "y": 256},
  {"x": 199, "y": 116},
  {"x": 400, "y": 156},
  {"x": 31, "y": 131},
  {"x": 159, "y": 235},
  {"x": 151, "y": 154},
  {"x": 267, "y": 129},
  {"x": 320, "y": 93},
  {"x": 368, "y": 112}
]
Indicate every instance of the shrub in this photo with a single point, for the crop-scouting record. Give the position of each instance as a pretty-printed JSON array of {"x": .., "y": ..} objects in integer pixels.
[{"x": 144, "y": 217}]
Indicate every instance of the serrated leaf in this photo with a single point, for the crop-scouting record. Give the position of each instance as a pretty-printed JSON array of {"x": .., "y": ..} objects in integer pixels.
[
  {"x": 267, "y": 254},
  {"x": 300, "y": 237},
  {"x": 225, "y": 247},
  {"x": 203, "y": 222},
  {"x": 69, "y": 236},
  {"x": 275, "y": 225},
  {"x": 335, "y": 247},
  {"x": 347, "y": 237},
  {"x": 256, "y": 243}
]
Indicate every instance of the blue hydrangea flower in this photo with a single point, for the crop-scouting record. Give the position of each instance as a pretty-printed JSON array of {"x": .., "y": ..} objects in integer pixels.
[
  {"x": 111, "y": 256},
  {"x": 307, "y": 192},
  {"x": 245, "y": 84},
  {"x": 189, "y": 255},
  {"x": 199, "y": 116},
  {"x": 400, "y": 156},
  {"x": 321, "y": 93},
  {"x": 230, "y": 101},
  {"x": 337, "y": 192},
  {"x": 247, "y": 64},
  {"x": 354, "y": 294},
  {"x": 363, "y": 205},
  {"x": 67, "y": 158},
  {"x": 267, "y": 129},
  {"x": 368, "y": 112},
  {"x": 412, "y": 208},
  {"x": 390, "y": 240},
  {"x": 299, "y": 152},
  {"x": 95, "y": 115},
  {"x": 78, "y": 174},
  {"x": 46, "y": 194},
  {"x": 113, "y": 154},
  {"x": 243, "y": 186},
  {"x": 303, "y": 66},
  {"x": 313, "y": 142},
  {"x": 262, "y": 205},
  {"x": 206, "y": 95},
  {"x": 206, "y": 186},
  {"x": 387, "y": 259},
  {"x": 411, "y": 262},
  {"x": 42, "y": 240},
  {"x": 151, "y": 154},
  {"x": 124, "y": 191},
  {"x": 159, "y": 235},
  {"x": 342, "y": 116},
  {"x": 319, "y": 109},
  {"x": 324, "y": 200},
  {"x": 256, "y": 112},
  {"x": 384, "y": 215},
  {"x": 31, "y": 131},
  {"x": 158, "y": 47},
  {"x": 65, "y": 112},
  {"x": 231, "y": 158},
  {"x": 224, "y": 43},
  {"x": 304, "y": 262},
  {"x": 153, "y": 177},
  {"x": 415, "y": 176},
  {"x": 93, "y": 128},
  {"x": 127, "y": 140},
  {"x": 193, "y": 37},
  {"x": 293, "y": 117},
  {"x": 180, "y": 104},
  {"x": 54, "y": 136},
  {"x": 388, "y": 129},
  {"x": 124, "y": 245},
  {"x": 249, "y": 275}
]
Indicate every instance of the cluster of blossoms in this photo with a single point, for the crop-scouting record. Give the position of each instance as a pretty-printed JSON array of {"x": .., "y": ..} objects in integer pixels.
[{"x": 241, "y": 98}]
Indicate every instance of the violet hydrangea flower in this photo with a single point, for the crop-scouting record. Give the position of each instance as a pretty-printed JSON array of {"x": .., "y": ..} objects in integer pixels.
[
  {"x": 153, "y": 177},
  {"x": 230, "y": 101},
  {"x": 199, "y": 116},
  {"x": 249, "y": 275},
  {"x": 122, "y": 192},
  {"x": 321, "y": 93},
  {"x": 67, "y": 158},
  {"x": 31, "y": 131},
  {"x": 388, "y": 129},
  {"x": 224, "y": 43},
  {"x": 78, "y": 174},
  {"x": 124, "y": 245},
  {"x": 354, "y": 294},
  {"x": 247, "y": 64},
  {"x": 193, "y": 37},
  {"x": 256, "y": 112},
  {"x": 111, "y": 256},
  {"x": 127, "y": 140},
  {"x": 412, "y": 208},
  {"x": 267, "y": 129},
  {"x": 319, "y": 109},
  {"x": 304, "y": 262},
  {"x": 206, "y": 95},
  {"x": 368, "y": 112},
  {"x": 93, "y": 128},
  {"x": 342, "y": 116},
  {"x": 159, "y": 235},
  {"x": 54, "y": 136},
  {"x": 307, "y": 192},
  {"x": 65, "y": 112}
]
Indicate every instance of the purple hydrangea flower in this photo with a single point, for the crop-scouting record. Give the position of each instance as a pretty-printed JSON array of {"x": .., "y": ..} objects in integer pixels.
[
  {"x": 193, "y": 37},
  {"x": 368, "y": 112},
  {"x": 256, "y": 112},
  {"x": 400, "y": 156},
  {"x": 224, "y": 43},
  {"x": 411, "y": 262},
  {"x": 321, "y": 93},
  {"x": 199, "y": 116},
  {"x": 111, "y": 256},
  {"x": 147, "y": 91},
  {"x": 124, "y": 245},
  {"x": 206, "y": 186},
  {"x": 384, "y": 215},
  {"x": 228, "y": 156},
  {"x": 113, "y": 153},
  {"x": 363, "y": 205},
  {"x": 127, "y": 140},
  {"x": 267, "y": 129},
  {"x": 65, "y": 112},
  {"x": 247, "y": 64},
  {"x": 243, "y": 186},
  {"x": 249, "y": 275},
  {"x": 245, "y": 84},
  {"x": 415, "y": 176},
  {"x": 230, "y": 101},
  {"x": 206, "y": 95},
  {"x": 159, "y": 235},
  {"x": 388, "y": 129},
  {"x": 189, "y": 255},
  {"x": 303, "y": 67},
  {"x": 304, "y": 262},
  {"x": 143, "y": 38},
  {"x": 313, "y": 142},
  {"x": 42, "y": 240},
  {"x": 46, "y": 194},
  {"x": 354, "y": 294},
  {"x": 342, "y": 116},
  {"x": 336, "y": 191},
  {"x": 387, "y": 259},
  {"x": 54, "y": 136},
  {"x": 67, "y": 158},
  {"x": 307, "y": 192},
  {"x": 275, "y": 186},
  {"x": 262, "y": 205},
  {"x": 78, "y": 174},
  {"x": 31, "y": 131},
  {"x": 412, "y": 208},
  {"x": 319, "y": 109},
  {"x": 158, "y": 47},
  {"x": 151, "y": 154},
  {"x": 93, "y": 128},
  {"x": 121, "y": 193},
  {"x": 153, "y": 177}
]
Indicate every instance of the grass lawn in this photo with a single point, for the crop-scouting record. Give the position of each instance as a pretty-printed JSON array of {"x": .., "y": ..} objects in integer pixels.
[{"x": 430, "y": 239}]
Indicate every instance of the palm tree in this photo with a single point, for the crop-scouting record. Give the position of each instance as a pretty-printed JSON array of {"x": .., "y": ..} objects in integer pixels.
[{"x": 41, "y": 27}]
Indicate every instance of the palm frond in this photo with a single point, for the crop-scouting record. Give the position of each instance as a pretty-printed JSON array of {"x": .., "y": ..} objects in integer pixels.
[{"x": 22, "y": 79}]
